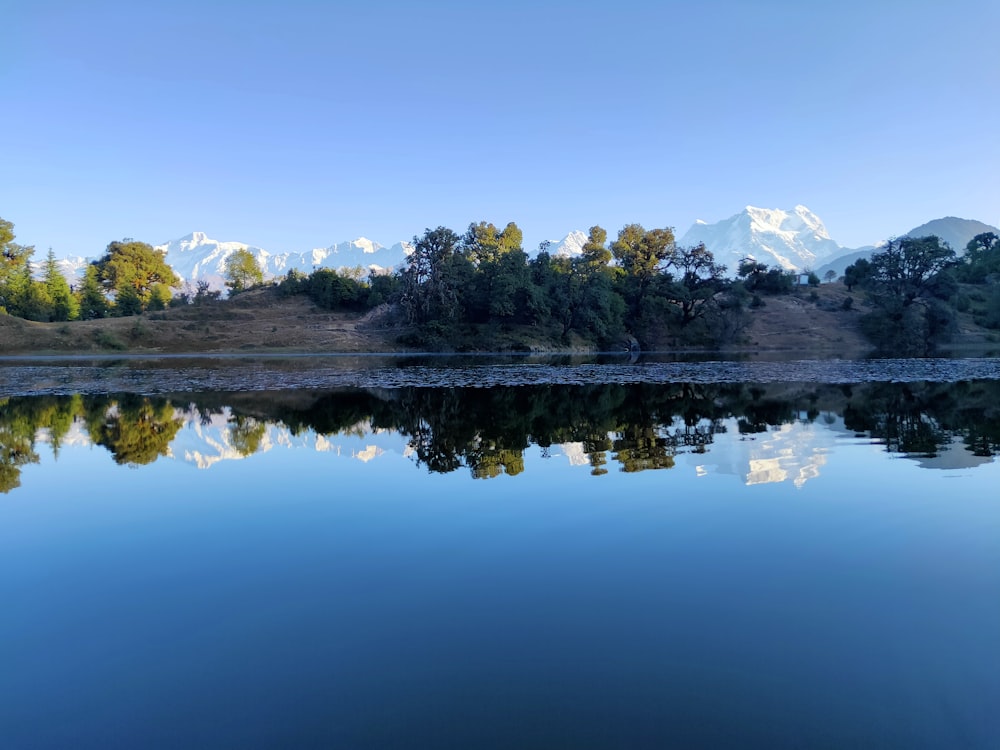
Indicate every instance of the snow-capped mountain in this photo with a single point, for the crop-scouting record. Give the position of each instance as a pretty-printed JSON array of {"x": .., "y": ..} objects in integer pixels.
[
  {"x": 570, "y": 246},
  {"x": 794, "y": 240},
  {"x": 196, "y": 257},
  {"x": 362, "y": 252}
]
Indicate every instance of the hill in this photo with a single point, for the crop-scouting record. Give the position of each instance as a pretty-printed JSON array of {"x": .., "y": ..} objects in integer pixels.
[{"x": 811, "y": 321}]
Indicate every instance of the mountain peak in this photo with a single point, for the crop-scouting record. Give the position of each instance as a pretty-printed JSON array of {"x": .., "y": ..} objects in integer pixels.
[{"x": 792, "y": 240}]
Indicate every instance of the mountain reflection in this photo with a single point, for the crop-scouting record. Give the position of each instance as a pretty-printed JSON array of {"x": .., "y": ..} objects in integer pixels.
[{"x": 487, "y": 430}]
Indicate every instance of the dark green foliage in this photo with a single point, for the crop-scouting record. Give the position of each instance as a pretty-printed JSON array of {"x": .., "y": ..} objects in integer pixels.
[
  {"x": 93, "y": 304},
  {"x": 991, "y": 310},
  {"x": 699, "y": 280},
  {"x": 435, "y": 278},
  {"x": 128, "y": 301},
  {"x": 757, "y": 277},
  {"x": 329, "y": 290},
  {"x": 383, "y": 288},
  {"x": 981, "y": 262},
  {"x": 857, "y": 274},
  {"x": 64, "y": 305},
  {"x": 908, "y": 285},
  {"x": 295, "y": 282}
]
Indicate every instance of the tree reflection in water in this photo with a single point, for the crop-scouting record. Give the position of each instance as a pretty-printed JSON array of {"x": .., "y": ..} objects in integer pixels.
[{"x": 487, "y": 430}]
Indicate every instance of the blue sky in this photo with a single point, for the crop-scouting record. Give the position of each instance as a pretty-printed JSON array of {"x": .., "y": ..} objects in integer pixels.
[{"x": 294, "y": 125}]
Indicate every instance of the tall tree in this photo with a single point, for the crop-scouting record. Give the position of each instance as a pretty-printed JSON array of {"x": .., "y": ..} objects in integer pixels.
[
  {"x": 434, "y": 277},
  {"x": 14, "y": 258},
  {"x": 906, "y": 267},
  {"x": 136, "y": 265},
  {"x": 909, "y": 279},
  {"x": 698, "y": 279},
  {"x": 92, "y": 302},
  {"x": 64, "y": 304},
  {"x": 242, "y": 271},
  {"x": 981, "y": 260},
  {"x": 595, "y": 251},
  {"x": 642, "y": 254}
]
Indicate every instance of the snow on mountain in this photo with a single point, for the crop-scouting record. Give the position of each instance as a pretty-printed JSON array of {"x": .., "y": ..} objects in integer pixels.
[
  {"x": 793, "y": 240},
  {"x": 362, "y": 252},
  {"x": 953, "y": 230},
  {"x": 570, "y": 246},
  {"x": 196, "y": 257}
]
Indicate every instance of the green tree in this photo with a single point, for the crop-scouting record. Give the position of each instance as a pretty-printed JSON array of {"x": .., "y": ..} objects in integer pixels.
[
  {"x": 981, "y": 262},
  {"x": 595, "y": 250},
  {"x": 242, "y": 271},
  {"x": 433, "y": 281},
  {"x": 907, "y": 286},
  {"x": 160, "y": 297},
  {"x": 642, "y": 255},
  {"x": 29, "y": 298},
  {"x": 64, "y": 304},
  {"x": 484, "y": 243},
  {"x": 134, "y": 265},
  {"x": 92, "y": 302},
  {"x": 128, "y": 302},
  {"x": 699, "y": 278},
  {"x": 907, "y": 267},
  {"x": 857, "y": 274},
  {"x": 14, "y": 259}
]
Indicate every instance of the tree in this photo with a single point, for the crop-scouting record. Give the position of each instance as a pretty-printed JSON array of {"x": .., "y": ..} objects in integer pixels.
[
  {"x": 857, "y": 274},
  {"x": 906, "y": 268},
  {"x": 92, "y": 302},
  {"x": 981, "y": 261},
  {"x": 435, "y": 277},
  {"x": 829, "y": 276},
  {"x": 14, "y": 259},
  {"x": 699, "y": 279},
  {"x": 484, "y": 243},
  {"x": 138, "y": 266},
  {"x": 29, "y": 298},
  {"x": 595, "y": 251},
  {"x": 907, "y": 283},
  {"x": 64, "y": 304},
  {"x": 642, "y": 255},
  {"x": 242, "y": 271}
]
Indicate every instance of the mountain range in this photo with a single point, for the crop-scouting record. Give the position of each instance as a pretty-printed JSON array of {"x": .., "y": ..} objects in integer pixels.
[{"x": 794, "y": 240}]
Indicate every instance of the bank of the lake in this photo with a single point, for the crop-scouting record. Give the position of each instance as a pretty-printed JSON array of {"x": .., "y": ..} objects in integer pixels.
[{"x": 260, "y": 321}]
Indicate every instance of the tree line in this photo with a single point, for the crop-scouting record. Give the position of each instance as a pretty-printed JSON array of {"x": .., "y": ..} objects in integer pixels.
[
  {"x": 487, "y": 431},
  {"x": 640, "y": 289},
  {"x": 131, "y": 278},
  {"x": 456, "y": 288}
]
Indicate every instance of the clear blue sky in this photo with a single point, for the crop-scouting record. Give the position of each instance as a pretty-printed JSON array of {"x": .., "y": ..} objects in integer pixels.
[{"x": 294, "y": 125}]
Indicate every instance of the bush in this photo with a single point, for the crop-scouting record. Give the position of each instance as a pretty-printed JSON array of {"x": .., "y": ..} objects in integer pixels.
[{"x": 107, "y": 340}]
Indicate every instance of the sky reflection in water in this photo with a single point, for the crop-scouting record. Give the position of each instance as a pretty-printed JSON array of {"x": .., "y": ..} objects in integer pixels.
[{"x": 808, "y": 566}]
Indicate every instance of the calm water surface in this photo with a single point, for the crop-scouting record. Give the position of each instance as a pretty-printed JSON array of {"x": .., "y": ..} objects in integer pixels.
[{"x": 660, "y": 564}]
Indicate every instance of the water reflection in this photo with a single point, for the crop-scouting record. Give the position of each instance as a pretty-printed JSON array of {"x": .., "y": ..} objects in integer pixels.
[{"x": 487, "y": 431}]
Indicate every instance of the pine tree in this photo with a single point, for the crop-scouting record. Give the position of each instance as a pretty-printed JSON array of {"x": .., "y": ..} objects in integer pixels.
[
  {"x": 64, "y": 304},
  {"x": 92, "y": 302}
]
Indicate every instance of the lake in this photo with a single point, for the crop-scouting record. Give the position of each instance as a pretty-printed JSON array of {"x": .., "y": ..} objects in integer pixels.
[{"x": 427, "y": 553}]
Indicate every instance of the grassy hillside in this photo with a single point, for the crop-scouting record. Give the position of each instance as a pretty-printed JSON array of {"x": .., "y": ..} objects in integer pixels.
[{"x": 810, "y": 321}]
